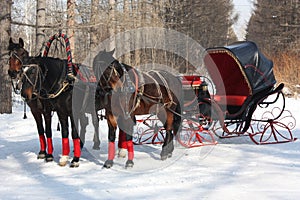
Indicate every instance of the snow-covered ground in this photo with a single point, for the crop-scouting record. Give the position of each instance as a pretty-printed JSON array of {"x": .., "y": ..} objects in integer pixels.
[{"x": 235, "y": 168}]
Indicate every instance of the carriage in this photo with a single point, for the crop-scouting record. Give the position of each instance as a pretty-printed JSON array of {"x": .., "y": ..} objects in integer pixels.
[{"x": 238, "y": 97}]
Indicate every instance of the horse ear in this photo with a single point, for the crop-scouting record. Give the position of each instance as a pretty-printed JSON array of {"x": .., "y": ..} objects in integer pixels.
[
  {"x": 112, "y": 52},
  {"x": 21, "y": 42}
]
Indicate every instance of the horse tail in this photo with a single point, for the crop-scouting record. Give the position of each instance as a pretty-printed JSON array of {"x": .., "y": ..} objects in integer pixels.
[
  {"x": 178, "y": 112},
  {"x": 177, "y": 120}
]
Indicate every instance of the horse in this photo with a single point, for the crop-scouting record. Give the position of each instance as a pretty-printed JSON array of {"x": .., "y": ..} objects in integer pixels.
[
  {"x": 129, "y": 93},
  {"x": 40, "y": 108},
  {"x": 83, "y": 99},
  {"x": 44, "y": 79}
]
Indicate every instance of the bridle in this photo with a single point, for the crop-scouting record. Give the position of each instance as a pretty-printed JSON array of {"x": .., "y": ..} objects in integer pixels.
[
  {"x": 22, "y": 75},
  {"x": 36, "y": 81},
  {"x": 127, "y": 88},
  {"x": 106, "y": 78},
  {"x": 12, "y": 73}
]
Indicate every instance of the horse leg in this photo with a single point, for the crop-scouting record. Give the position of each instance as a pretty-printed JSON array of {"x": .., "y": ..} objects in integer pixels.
[
  {"x": 65, "y": 139},
  {"x": 83, "y": 119},
  {"x": 48, "y": 117},
  {"x": 112, "y": 126},
  {"x": 96, "y": 138},
  {"x": 130, "y": 149},
  {"x": 127, "y": 125},
  {"x": 40, "y": 128},
  {"x": 76, "y": 145},
  {"x": 168, "y": 146},
  {"x": 122, "y": 144}
]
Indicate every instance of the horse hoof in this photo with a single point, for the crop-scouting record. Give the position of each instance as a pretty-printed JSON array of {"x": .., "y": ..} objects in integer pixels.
[
  {"x": 63, "y": 161},
  {"x": 96, "y": 147},
  {"x": 49, "y": 158},
  {"x": 75, "y": 162},
  {"x": 129, "y": 164},
  {"x": 108, "y": 164},
  {"x": 163, "y": 157},
  {"x": 41, "y": 155},
  {"x": 122, "y": 153}
]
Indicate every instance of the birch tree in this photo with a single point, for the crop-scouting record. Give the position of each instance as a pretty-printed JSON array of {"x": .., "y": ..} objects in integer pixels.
[
  {"x": 40, "y": 24},
  {"x": 5, "y": 32}
]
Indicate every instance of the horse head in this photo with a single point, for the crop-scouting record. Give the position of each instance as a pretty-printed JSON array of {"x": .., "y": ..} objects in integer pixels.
[
  {"x": 18, "y": 56},
  {"x": 107, "y": 69},
  {"x": 101, "y": 61}
]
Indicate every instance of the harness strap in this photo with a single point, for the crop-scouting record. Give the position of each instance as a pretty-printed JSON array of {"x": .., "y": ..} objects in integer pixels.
[
  {"x": 62, "y": 82},
  {"x": 64, "y": 85},
  {"x": 136, "y": 100},
  {"x": 157, "y": 88},
  {"x": 165, "y": 84}
]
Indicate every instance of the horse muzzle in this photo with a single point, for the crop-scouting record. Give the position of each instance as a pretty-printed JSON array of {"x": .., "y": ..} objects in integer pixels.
[{"x": 13, "y": 73}]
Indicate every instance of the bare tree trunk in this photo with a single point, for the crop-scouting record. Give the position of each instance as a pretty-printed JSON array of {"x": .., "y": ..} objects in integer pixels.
[
  {"x": 138, "y": 37},
  {"x": 126, "y": 14},
  {"x": 70, "y": 24},
  {"x": 94, "y": 21},
  {"x": 5, "y": 32},
  {"x": 40, "y": 23},
  {"x": 112, "y": 23}
]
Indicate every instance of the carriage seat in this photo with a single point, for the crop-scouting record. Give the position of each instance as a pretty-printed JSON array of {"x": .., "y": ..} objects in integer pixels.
[
  {"x": 231, "y": 100},
  {"x": 190, "y": 81}
]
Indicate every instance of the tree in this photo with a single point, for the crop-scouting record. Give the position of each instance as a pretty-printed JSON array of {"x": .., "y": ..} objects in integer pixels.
[
  {"x": 94, "y": 21},
  {"x": 275, "y": 25},
  {"x": 40, "y": 24},
  {"x": 70, "y": 25},
  {"x": 5, "y": 32}
]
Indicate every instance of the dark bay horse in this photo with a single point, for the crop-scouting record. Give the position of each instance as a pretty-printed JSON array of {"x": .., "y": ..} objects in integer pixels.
[
  {"x": 40, "y": 109},
  {"x": 44, "y": 80},
  {"x": 130, "y": 92}
]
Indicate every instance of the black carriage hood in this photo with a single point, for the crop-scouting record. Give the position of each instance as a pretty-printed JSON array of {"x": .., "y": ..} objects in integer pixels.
[{"x": 258, "y": 68}]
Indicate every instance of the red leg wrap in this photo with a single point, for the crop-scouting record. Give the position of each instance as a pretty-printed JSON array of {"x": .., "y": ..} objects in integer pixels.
[
  {"x": 130, "y": 150},
  {"x": 65, "y": 147},
  {"x": 111, "y": 150},
  {"x": 42, "y": 142},
  {"x": 50, "y": 145},
  {"x": 76, "y": 145},
  {"x": 122, "y": 140}
]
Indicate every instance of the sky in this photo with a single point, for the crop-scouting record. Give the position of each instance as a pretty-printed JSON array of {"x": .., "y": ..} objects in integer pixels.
[{"x": 244, "y": 9}]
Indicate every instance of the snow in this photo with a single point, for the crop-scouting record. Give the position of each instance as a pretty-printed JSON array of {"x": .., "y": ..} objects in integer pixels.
[{"x": 235, "y": 168}]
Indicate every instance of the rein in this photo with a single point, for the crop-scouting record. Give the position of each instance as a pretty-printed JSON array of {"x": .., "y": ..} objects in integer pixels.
[
  {"x": 15, "y": 87},
  {"x": 130, "y": 87},
  {"x": 39, "y": 77}
]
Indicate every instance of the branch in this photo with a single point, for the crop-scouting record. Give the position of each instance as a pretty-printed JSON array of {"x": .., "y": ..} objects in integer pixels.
[
  {"x": 4, "y": 17},
  {"x": 57, "y": 25}
]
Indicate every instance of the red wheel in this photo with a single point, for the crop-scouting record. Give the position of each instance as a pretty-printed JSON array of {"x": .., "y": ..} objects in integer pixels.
[
  {"x": 194, "y": 135},
  {"x": 149, "y": 131}
]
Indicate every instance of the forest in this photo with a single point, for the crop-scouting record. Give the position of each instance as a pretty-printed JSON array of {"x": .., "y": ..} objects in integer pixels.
[{"x": 134, "y": 24}]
